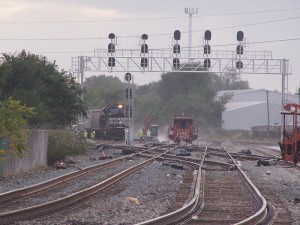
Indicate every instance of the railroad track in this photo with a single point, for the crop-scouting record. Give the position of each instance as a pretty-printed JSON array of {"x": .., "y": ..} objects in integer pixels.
[
  {"x": 201, "y": 195},
  {"x": 226, "y": 199},
  {"x": 221, "y": 194},
  {"x": 19, "y": 204}
]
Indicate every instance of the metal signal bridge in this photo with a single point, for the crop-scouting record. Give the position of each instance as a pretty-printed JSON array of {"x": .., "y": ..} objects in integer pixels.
[{"x": 177, "y": 59}]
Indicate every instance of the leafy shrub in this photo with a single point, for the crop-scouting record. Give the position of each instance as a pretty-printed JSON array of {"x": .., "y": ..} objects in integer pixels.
[{"x": 64, "y": 143}]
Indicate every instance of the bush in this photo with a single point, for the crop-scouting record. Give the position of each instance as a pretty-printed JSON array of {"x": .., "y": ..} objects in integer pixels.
[{"x": 64, "y": 143}]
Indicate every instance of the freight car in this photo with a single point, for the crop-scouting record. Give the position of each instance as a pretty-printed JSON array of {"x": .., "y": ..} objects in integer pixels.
[
  {"x": 183, "y": 128},
  {"x": 108, "y": 123}
]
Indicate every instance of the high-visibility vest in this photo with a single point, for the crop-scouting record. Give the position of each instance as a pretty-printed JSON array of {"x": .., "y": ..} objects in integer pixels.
[
  {"x": 85, "y": 134},
  {"x": 93, "y": 134},
  {"x": 140, "y": 133},
  {"x": 148, "y": 133}
]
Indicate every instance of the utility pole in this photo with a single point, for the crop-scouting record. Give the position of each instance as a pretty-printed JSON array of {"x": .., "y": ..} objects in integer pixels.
[
  {"x": 190, "y": 11},
  {"x": 268, "y": 109}
]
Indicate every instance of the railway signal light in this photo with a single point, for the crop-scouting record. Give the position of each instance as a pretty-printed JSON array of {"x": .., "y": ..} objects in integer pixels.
[
  {"x": 239, "y": 49},
  {"x": 240, "y": 36},
  {"x": 239, "y": 65},
  {"x": 111, "y": 48},
  {"x": 207, "y": 35},
  {"x": 111, "y": 36},
  {"x": 144, "y": 36},
  {"x": 176, "y": 49},
  {"x": 177, "y": 35},
  {"x": 111, "y": 61},
  {"x": 176, "y": 64},
  {"x": 144, "y": 62},
  {"x": 144, "y": 48},
  {"x": 144, "y": 51},
  {"x": 207, "y": 49},
  {"x": 206, "y": 63},
  {"x": 128, "y": 93},
  {"x": 128, "y": 77}
]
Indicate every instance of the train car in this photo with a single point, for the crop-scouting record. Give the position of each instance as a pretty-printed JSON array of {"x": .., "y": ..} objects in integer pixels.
[
  {"x": 183, "y": 128},
  {"x": 113, "y": 122},
  {"x": 290, "y": 144},
  {"x": 91, "y": 123}
]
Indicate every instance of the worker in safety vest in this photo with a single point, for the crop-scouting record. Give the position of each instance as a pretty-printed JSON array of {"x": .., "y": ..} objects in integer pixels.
[
  {"x": 93, "y": 133},
  {"x": 85, "y": 134},
  {"x": 148, "y": 134},
  {"x": 141, "y": 135}
]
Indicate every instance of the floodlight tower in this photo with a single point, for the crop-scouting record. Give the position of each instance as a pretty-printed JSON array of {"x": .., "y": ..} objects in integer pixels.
[{"x": 190, "y": 11}]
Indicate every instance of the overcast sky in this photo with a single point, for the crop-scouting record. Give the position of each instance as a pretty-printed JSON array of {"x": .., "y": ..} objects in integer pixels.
[{"x": 62, "y": 29}]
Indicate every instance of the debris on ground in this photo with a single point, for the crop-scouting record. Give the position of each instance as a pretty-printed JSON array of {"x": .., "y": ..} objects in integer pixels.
[
  {"x": 182, "y": 152},
  {"x": 297, "y": 200},
  {"x": 174, "y": 165},
  {"x": 246, "y": 151},
  {"x": 127, "y": 151},
  {"x": 266, "y": 162},
  {"x": 61, "y": 165},
  {"x": 105, "y": 157},
  {"x": 133, "y": 200}
]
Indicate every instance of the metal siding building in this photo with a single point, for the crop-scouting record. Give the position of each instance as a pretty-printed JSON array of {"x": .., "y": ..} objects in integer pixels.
[{"x": 248, "y": 108}]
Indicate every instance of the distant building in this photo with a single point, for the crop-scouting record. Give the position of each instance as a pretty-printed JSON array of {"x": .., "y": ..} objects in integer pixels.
[{"x": 249, "y": 107}]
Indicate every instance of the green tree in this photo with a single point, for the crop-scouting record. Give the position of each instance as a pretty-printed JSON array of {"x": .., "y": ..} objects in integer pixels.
[
  {"x": 34, "y": 81},
  {"x": 189, "y": 93},
  {"x": 103, "y": 90},
  {"x": 13, "y": 121},
  {"x": 229, "y": 80}
]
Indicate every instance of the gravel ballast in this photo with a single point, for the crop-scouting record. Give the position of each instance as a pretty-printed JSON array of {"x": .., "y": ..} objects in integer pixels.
[
  {"x": 142, "y": 196},
  {"x": 145, "y": 194}
]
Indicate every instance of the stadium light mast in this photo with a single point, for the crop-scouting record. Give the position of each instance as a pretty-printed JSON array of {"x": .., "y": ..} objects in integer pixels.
[{"x": 190, "y": 11}]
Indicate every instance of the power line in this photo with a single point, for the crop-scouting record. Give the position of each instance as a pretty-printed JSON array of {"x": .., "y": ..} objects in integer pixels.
[
  {"x": 258, "y": 42},
  {"x": 229, "y": 27},
  {"x": 254, "y": 24},
  {"x": 150, "y": 18},
  {"x": 197, "y": 46},
  {"x": 134, "y": 36},
  {"x": 50, "y": 39}
]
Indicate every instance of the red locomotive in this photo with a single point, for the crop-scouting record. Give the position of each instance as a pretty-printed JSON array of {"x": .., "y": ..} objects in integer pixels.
[
  {"x": 183, "y": 128},
  {"x": 290, "y": 144}
]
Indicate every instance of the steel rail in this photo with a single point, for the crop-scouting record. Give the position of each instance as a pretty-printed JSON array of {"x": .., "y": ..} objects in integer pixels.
[
  {"x": 185, "y": 211},
  {"x": 75, "y": 198},
  {"x": 11, "y": 195},
  {"x": 15, "y": 194},
  {"x": 196, "y": 202},
  {"x": 260, "y": 215}
]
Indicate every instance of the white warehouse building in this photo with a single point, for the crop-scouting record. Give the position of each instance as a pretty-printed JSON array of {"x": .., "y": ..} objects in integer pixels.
[{"x": 250, "y": 107}]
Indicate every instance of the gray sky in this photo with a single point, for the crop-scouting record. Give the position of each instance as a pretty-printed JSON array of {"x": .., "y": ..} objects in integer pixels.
[{"x": 85, "y": 25}]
